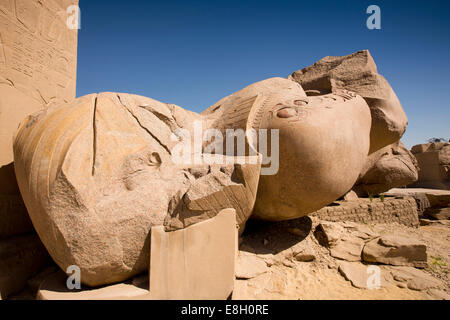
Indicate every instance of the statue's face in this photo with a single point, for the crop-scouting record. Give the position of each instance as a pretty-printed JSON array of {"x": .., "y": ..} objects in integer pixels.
[{"x": 323, "y": 144}]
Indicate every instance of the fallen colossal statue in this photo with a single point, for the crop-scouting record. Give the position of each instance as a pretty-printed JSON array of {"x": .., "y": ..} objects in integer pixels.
[{"x": 97, "y": 174}]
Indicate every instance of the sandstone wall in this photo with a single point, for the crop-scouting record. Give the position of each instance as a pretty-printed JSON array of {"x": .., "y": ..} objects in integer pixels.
[
  {"x": 402, "y": 211},
  {"x": 434, "y": 163},
  {"x": 38, "y": 59}
]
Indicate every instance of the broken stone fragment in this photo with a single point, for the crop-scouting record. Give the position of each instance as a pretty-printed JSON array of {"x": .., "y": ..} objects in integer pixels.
[
  {"x": 360, "y": 275},
  {"x": 328, "y": 233},
  {"x": 306, "y": 255},
  {"x": 351, "y": 196},
  {"x": 249, "y": 266},
  {"x": 348, "y": 248},
  {"x": 357, "y": 72},
  {"x": 232, "y": 186},
  {"x": 415, "y": 279},
  {"x": 396, "y": 250},
  {"x": 390, "y": 167}
]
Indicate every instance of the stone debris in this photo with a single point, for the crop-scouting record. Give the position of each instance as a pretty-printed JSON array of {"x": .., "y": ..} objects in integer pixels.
[
  {"x": 396, "y": 250},
  {"x": 348, "y": 248},
  {"x": 415, "y": 279},
  {"x": 351, "y": 196},
  {"x": 249, "y": 266},
  {"x": 360, "y": 275}
]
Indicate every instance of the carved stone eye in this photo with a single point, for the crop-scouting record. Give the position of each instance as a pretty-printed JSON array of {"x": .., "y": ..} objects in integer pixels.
[{"x": 286, "y": 113}]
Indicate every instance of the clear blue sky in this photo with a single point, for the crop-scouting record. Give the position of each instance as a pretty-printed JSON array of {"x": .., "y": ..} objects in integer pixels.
[{"x": 193, "y": 53}]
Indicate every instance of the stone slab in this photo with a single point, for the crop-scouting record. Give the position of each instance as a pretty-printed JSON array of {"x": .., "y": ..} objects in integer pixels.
[
  {"x": 54, "y": 288},
  {"x": 195, "y": 263}
]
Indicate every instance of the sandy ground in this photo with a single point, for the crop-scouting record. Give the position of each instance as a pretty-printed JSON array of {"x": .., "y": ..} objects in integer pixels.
[{"x": 320, "y": 279}]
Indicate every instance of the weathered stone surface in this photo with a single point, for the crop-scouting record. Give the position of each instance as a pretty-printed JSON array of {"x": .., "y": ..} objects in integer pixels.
[
  {"x": 37, "y": 68},
  {"x": 390, "y": 167},
  {"x": 427, "y": 222},
  {"x": 438, "y": 294},
  {"x": 308, "y": 177},
  {"x": 303, "y": 251},
  {"x": 348, "y": 248},
  {"x": 20, "y": 258},
  {"x": 434, "y": 163},
  {"x": 358, "y": 72},
  {"x": 351, "y": 196},
  {"x": 438, "y": 213},
  {"x": 414, "y": 279},
  {"x": 359, "y": 275},
  {"x": 197, "y": 262},
  {"x": 389, "y": 210},
  {"x": 329, "y": 233},
  {"x": 359, "y": 230},
  {"x": 38, "y": 59},
  {"x": 396, "y": 250},
  {"x": 437, "y": 198},
  {"x": 345, "y": 240},
  {"x": 213, "y": 192},
  {"x": 433, "y": 203},
  {"x": 249, "y": 266},
  {"x": 105, "y": 175},
  {"x": 12, "y": 99}
]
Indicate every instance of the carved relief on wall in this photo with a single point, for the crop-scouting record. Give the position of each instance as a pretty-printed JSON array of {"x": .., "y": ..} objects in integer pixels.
[{"x": 37, "y": 50}]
